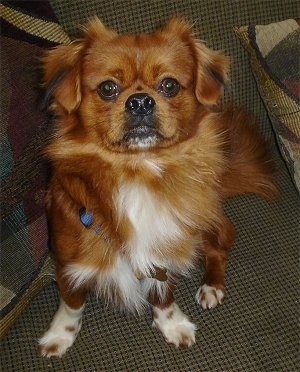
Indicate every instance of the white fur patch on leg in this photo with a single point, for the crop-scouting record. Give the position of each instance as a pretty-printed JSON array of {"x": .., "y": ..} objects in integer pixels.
[
  {"x": 174, "y": 325},
  {"x": 62, "y": 331},
  {"x": 209, "y": 297}
]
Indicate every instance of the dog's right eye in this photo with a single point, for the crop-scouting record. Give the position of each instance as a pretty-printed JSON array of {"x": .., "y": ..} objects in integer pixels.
[
  {"x": 169, "y": 87},
  {"x": 108, "y": 90}
]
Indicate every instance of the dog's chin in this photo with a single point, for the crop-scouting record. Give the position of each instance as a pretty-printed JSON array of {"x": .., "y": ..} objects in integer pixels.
[
  {"x": 142, "y": 142},
  {"x": 142, "y": 137}
]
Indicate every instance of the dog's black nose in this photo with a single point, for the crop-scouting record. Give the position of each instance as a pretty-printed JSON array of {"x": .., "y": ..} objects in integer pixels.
[{"x": 140, "y": 104}]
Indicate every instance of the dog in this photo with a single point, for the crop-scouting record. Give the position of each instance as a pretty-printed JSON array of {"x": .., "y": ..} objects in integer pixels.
[{"x": 142, "y": 159}]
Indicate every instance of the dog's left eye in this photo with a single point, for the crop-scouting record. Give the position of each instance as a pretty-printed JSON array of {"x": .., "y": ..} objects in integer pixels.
[
  {"x": 169, "y": 87},
  {"x": 108, "y": 90}
]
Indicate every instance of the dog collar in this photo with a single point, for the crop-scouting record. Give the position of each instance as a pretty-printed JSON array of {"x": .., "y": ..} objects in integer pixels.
[{"x": 86, "y": 218}]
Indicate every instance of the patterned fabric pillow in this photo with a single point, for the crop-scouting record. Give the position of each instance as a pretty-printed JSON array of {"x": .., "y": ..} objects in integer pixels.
[
  {"x": 25, "y": 262},
  {"x": 275, "y": 60}
]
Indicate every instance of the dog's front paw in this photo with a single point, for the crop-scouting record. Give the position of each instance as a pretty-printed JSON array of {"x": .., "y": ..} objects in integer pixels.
[
  {"x": 56, "y": 343},
  {"x": 174, "y": 325},
  {"x": 62, "y": 332},
  {"x": 209, "y": 297}
]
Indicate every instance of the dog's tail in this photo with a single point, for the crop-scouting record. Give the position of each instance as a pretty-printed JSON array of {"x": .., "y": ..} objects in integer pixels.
[{"x": 250, "y": 165}]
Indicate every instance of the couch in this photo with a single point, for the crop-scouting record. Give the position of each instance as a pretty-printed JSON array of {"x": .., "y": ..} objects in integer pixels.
[{"x": 256, "y": 328}]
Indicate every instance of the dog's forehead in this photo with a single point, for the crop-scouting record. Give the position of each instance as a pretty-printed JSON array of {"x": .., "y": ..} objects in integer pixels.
[{"x": 127, "y": 57}]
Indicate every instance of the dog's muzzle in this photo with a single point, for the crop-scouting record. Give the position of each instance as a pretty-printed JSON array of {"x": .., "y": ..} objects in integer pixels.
[{"x": 141, "y": 129}]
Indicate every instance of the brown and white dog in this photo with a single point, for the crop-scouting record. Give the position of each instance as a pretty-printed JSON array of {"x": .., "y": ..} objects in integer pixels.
[{"x": 142, "y": 161}]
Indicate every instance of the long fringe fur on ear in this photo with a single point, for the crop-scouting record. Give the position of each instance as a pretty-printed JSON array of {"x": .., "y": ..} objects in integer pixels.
[
  {"x": 95, "y": 29},
  {"x": 212, "y": 74},
  {"x": 62, "y": 67},
  {"x": 212, "y": 66},
  {"x": 62, "y": 76}
]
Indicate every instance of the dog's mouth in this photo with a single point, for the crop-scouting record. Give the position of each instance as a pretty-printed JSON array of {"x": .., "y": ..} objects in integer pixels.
[
  {"x": 142, "y": 136},
  {"x": 141, "y": 132}
]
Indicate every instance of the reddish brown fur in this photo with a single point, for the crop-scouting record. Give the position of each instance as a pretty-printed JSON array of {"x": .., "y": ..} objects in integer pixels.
[{"x": 206, "y": 156}]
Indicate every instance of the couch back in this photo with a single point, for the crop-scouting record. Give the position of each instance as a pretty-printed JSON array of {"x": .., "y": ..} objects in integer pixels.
[{"x": 213, "y": 22}]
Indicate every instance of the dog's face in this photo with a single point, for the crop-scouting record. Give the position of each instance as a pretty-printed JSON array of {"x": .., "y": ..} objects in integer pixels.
[{"x": 135, "y": 92}]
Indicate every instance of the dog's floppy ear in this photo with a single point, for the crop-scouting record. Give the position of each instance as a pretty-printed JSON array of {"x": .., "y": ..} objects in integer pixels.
[
  {"x": 62, "y": 76},
  {"x": 96, "y": 30},
  {"x": 211, "y": 67},
  {"x": 62, "y": 66}
]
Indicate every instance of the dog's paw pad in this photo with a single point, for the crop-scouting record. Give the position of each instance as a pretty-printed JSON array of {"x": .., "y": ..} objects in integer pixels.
[
  {"x": 175, "y": 326},
  {"x": 209, "y": 297}
]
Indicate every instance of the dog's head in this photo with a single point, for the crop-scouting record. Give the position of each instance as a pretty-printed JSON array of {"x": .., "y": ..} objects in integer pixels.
[{"x": 135, "y": 92}]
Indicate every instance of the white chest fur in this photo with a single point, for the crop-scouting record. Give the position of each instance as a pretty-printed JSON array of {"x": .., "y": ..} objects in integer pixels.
[{"x": 155, "y": 224}]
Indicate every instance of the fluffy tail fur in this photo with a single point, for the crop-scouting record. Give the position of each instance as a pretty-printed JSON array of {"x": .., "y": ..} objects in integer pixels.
[{"x": 250, "y": 166}]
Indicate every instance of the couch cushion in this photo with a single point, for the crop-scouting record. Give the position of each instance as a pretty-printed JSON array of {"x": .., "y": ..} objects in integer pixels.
[
  {"x": 274, "y": 56},
  {"x": 25, "y": 262}
]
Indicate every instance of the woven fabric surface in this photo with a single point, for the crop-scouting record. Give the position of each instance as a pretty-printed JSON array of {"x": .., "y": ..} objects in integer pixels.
[
  {"x": 256, "y": 329},
  {"x": 23, "y": 222},
  {"x": 23, "y": 173},
  {"x": 275, "y": 60}
]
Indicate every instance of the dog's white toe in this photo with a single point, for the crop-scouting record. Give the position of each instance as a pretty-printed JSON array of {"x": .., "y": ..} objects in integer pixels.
[
  {"x": 54, "y": 344},
  {"x": 174, "y": 325},
  {"x": 62, "y": 331},
  {"x": 209, "y": 297}
]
